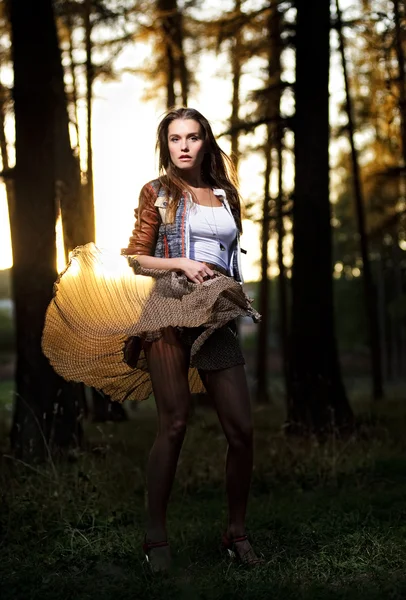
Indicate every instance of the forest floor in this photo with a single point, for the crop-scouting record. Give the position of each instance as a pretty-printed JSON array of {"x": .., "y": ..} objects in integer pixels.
[{"x": 329, "y": 519}]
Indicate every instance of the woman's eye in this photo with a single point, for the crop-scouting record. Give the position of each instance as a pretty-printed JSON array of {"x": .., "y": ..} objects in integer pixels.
[{"x": 174, "y": 139}]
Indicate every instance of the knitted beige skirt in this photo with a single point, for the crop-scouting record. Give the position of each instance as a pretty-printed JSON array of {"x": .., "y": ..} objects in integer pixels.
[{"x": 105, "y": 306}]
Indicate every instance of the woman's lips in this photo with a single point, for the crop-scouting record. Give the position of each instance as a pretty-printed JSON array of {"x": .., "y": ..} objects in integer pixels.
[{"x": 185, "y": 158}]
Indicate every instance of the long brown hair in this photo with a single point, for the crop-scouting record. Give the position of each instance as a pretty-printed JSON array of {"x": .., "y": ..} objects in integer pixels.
[{"x": 217, "y": 168}]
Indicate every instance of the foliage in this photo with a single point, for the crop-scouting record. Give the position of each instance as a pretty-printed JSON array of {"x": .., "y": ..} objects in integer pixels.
[
  {"x": 375, "y": 84},
  {"x": 110, "y": 27},
  {"x": 150, "y": 26}
]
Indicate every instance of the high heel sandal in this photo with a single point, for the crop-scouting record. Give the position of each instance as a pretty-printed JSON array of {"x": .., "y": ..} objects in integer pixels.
[
  {"x": 229, "y": 546},
  {"x": 147, "y": 547}
]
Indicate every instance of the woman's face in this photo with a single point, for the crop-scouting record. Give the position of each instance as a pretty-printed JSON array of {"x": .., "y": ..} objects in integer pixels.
[{"x": 186, "y": 144}]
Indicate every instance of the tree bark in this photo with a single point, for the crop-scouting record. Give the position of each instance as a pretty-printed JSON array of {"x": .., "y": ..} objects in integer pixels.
[
  {"x": 88, "y": 205},
  {"x": 37, "y": 85},
  {"x": 262, "y": 395},
  {"x": 282, "y": 291},
  {"x": 67, "y": 168},
  {"x": 235, "y": 103},
  {"x": 318, "y": 397},
  {"x": 272, "y": 104},
  {"x": 182, "y": 67},
  {"x": 275, "y": 79},
  {"x": 369, "y": 286},
  {"x": 72, "y": 68},
  {"x": 401, "y": 77},
  {"x": 8, "y": 180},
  {"x": 167, "y": 10},
  {"x": 171, "y": 20}
]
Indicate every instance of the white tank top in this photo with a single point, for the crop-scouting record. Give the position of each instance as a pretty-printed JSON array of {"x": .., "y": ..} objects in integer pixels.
[{"x": 212, "y": 234}]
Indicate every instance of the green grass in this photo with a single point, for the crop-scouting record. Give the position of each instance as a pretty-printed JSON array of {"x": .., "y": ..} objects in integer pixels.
[{"x": 329, "y": 519}]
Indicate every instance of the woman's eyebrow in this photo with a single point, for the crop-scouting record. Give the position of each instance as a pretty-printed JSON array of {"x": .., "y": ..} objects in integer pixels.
[{"x": 188, "y": 135}]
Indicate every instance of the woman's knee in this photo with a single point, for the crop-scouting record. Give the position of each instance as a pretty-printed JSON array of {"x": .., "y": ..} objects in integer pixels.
[
  {"x": 174, "y": 428},
  {"x": 241, "y": 436}
]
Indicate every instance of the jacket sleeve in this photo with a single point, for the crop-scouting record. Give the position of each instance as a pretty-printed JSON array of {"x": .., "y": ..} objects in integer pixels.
[{"x": 147, "y": 221}]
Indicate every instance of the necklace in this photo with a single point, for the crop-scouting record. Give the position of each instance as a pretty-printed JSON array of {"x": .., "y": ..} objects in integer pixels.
[{"x": 214, "y": 233}]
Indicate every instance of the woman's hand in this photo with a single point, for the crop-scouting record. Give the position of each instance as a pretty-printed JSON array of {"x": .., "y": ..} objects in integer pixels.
[{"x": 194, "y": 270}]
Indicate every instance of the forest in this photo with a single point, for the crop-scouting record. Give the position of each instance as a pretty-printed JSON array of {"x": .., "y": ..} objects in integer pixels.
[{"x": 310, "y": 103}]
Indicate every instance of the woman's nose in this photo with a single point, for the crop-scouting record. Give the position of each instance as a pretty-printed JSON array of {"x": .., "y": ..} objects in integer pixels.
[{"x": 185, "y": 145}]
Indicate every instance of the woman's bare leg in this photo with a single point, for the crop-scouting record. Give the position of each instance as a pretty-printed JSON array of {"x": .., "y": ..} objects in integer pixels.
[
  {"x": 229, "y": 391},
  {"x": 168, "y": 363}
]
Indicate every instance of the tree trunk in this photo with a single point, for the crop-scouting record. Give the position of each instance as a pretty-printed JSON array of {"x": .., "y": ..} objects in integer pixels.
[
  {"x": 319, "y": 401},
  {"x": 402, "y": 112},
  {"x": 272, "y": 103},
  {"x": 282, "y": 291},
  {"x": 167, "y": 10},
  {"x": 37, "y": 85},
  {"x": 262, "y": 396},
  {"x": 235, "y": 104},
  {"x": 401, "y": 78},
  {"x": 67, "y": 169},
  {"x": 371, "y": 304},
  {"x": 72, "y": 68},
  {"x": 382, "y": 304},
  {"x": 8, "y": 180},
  {"x": 182, "y": 67},
  {"x": 88, "y": 205},
  {"x": 76, "y": 200},
  {"x": 172, "y": 29},
  {"x": 275, "y": 113}
]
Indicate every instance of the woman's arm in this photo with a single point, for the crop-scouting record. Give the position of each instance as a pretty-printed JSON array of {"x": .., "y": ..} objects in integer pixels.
[
  {"x": 194, "y": 270},
  {"x": 147, "y": 220}
]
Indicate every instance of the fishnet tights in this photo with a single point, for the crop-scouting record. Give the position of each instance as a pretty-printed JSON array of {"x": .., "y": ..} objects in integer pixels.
[{"x": 168, "y": 363}]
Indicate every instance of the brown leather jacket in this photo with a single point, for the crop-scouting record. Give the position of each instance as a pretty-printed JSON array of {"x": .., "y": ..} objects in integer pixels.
[{"x": 147, "y": 221}]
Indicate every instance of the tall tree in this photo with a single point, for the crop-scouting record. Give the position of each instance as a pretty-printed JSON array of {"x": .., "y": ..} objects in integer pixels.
[
  {"x": 400, "y": 55},
  {"x": 236, "y": 67},
  {"x": 270, "y": 99},
  {"x": 374, "y": 57},
  {"x": 78, "y": 219},
  {"x": 43, "y": 412},
  {"x": 8, "y": 180},
  {"x": 174, "y": 57},
  {"x": 369, "y": 287},
  {"x": 262, "y": 393},
  {"x": 283, "y": 325},
  {"x": 87, "y": 24},
  {"x": 279, "y": 130},
  {"x": 271, "y": 103},
  {"x": 71, "y": 68},
  {"x": 318, "y": 398}
]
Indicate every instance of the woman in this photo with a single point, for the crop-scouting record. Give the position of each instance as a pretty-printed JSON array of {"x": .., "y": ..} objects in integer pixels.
[
  {"x": 186, "y": 242},
  {"x": 191, "y": 161}
]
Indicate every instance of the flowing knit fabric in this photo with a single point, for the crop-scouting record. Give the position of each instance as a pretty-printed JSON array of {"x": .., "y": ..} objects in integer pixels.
[{"x": 106, "y": 307}]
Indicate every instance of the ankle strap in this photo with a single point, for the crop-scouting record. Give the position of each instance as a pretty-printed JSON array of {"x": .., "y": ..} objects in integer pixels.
[
  {"x": 155, "y": 544},
  {"x": 241, "y": 538}
]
